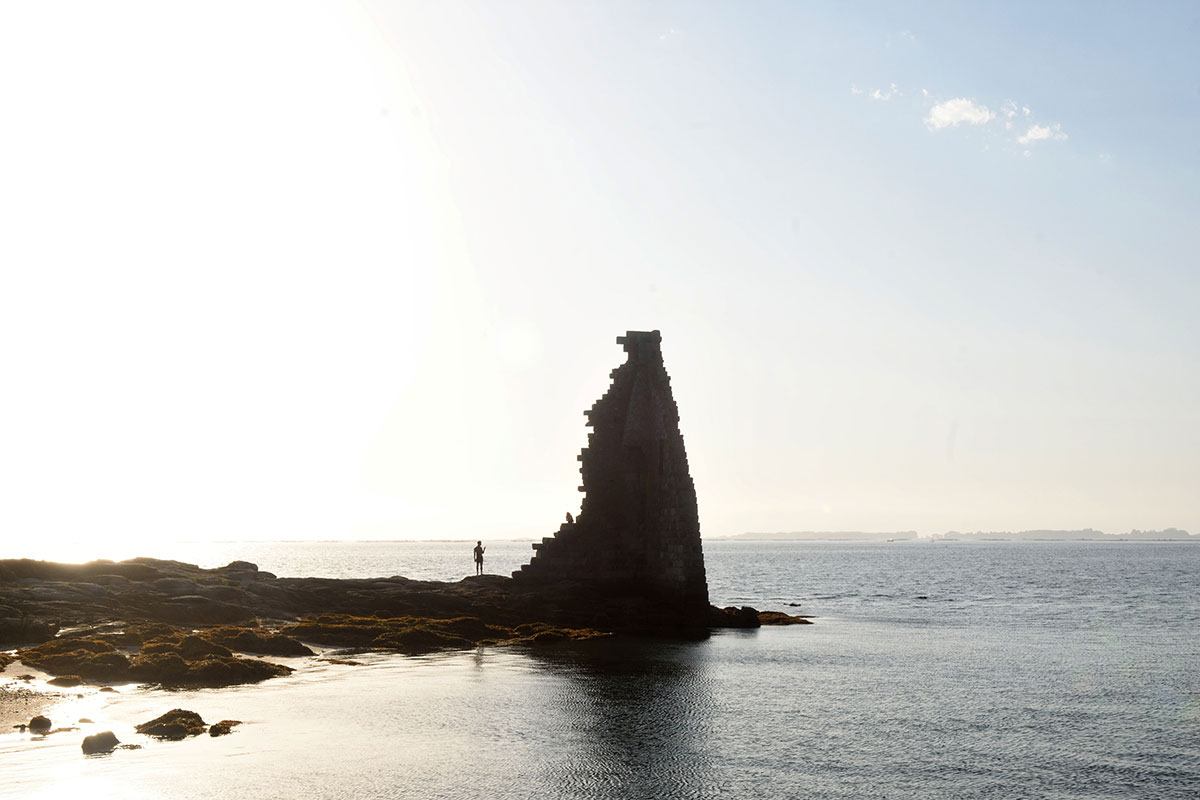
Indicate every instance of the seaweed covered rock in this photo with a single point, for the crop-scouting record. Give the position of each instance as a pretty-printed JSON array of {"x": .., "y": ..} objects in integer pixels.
[
  {"x": 231, "y": 671},
  {"x": 171, "y": 669},
  {"x": 193, "y": 648},
  {"x": 40, "y": 724},
  {"x": 250, "y": 640},
  {"x": 163, "y": 666},
  {"x": 90, "y": 659},
  {"x": 102, "y": 742},
  {"x": 419, "y": 640},
  {"x": 413, "y": 635},
  {"x": 140, "y": 634},
  {"x": 224, "y": 727},
  {"x": 176, "y": 724},
  {"x": 65, "y": 681}
]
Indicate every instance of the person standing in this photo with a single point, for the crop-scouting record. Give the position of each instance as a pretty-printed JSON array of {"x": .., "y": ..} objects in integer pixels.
[{"x": 479, "y": 548}]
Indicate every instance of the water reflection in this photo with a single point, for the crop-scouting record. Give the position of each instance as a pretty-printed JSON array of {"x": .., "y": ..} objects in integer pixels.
[{"x": 635, "y": 719}]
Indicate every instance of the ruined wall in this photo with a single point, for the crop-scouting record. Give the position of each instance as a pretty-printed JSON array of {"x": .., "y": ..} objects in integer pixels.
[{"x": 638, "y": 531}]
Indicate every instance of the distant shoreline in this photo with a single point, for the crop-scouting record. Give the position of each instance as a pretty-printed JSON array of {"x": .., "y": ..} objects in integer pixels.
[{"x": 1171, "y": 535}]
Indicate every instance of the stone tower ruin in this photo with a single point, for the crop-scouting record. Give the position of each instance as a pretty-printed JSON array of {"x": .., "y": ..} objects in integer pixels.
[{"x": 638, "y": 534}]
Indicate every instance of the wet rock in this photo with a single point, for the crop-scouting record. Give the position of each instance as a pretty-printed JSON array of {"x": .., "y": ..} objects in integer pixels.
[
  {"x": 40, "y": 724},
  {"x": 175, "y": 586},
  {"x": 103, "y": 742},
  {"x": 65, "y": 680},
  {"x": 110, "y": 580},
  {"x": 223, "y": 727},
  {"x": 176, "y": 724},
  {"x": 203, "y": 610}
]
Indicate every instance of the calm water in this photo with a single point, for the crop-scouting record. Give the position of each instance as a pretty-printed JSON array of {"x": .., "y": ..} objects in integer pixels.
[{"x": 948, "y": 670}]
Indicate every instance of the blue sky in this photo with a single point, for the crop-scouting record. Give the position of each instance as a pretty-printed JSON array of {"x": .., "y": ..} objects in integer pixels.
[{"x": 325, "y": 270}]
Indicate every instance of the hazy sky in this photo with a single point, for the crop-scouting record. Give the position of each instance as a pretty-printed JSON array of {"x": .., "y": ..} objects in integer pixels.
[{"x": 325, "y": 270}]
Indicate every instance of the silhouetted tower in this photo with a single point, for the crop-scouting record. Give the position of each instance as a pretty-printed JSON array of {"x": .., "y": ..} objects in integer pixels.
[{"x": 638, "y": 532}]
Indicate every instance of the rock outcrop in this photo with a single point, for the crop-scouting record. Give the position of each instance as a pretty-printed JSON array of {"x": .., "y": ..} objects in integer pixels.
[
  {"x": 631, "y": 561},
  {"x": 176, "y": 724},
  {"x": 637, "y": 536},
  {"x": 102, "y": 742},
  {"x": 224, "y": 727}
]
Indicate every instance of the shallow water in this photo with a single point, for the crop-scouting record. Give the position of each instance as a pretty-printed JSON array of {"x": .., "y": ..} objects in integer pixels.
[{"x": 955, "y": 670}]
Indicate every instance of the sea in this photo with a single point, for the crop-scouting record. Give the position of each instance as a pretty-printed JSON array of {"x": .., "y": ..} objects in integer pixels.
[{"x": 1063, "y": 670}]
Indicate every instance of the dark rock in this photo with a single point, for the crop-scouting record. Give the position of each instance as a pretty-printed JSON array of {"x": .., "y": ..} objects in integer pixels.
[
  {"x": 175, "y": 586},
  {"x": 40, "y": 724},
  {"x": 779, "y": 618},
  {"x": 103, "y": 742},
  {"x": 732, "y": 617},
  {"x": 176, "y": 724},
  {"x": 201, "y": 610},
  {"x": 25, "y": 630},
  {"x": 223, "y": 727}
]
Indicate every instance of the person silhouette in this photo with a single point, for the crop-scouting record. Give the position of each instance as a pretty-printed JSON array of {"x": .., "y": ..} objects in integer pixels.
[{"x": 479, "y": 548}]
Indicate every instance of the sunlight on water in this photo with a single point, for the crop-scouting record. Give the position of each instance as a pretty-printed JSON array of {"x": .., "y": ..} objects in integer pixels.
[{"x": 971, "y": 672}]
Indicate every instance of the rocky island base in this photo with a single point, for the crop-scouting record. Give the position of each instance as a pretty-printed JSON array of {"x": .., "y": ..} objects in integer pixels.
[{"x": 177, "y": 625}]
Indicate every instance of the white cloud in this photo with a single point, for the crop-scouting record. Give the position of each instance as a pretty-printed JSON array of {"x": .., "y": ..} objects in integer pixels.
[
  {"x": 879, "y": 94},
  {"x": 958, "y": 111},
  {"x": 1039, "y": 133}
]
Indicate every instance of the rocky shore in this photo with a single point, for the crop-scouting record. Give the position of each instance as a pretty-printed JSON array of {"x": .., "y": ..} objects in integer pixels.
[{"x": 177, "y": 625}]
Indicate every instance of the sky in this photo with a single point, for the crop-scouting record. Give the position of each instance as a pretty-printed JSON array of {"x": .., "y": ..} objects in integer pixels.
[{"x": 327, "y": 270}]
